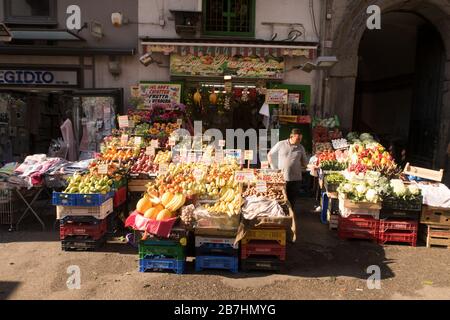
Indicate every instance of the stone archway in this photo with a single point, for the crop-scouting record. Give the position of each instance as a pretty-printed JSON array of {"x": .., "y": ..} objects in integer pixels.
[{"x": 346, "y": 41}]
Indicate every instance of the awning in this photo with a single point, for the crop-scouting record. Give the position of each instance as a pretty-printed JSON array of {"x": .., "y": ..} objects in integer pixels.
[
  {"x": 200, "y": 47},
  {"x": 49, "y": 35}
]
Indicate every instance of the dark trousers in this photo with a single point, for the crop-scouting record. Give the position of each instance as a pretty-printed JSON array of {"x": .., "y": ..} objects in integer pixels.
[{"x": 293, "y": 189}]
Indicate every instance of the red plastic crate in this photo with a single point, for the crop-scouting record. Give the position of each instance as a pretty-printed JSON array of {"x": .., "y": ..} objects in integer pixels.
[
  {"x": 402, "y": 237},
  {"x": 359, "y": 234},
  {"x": 263, "y": 248},
  {"x": 94, "y": 231},
  {"x": 403, "y": 225},
  {"x": 358, "y": 222},
  {"x": 120, "y": 197}
]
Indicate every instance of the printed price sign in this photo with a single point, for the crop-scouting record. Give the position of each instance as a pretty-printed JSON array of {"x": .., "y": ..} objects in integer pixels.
[
  {"x": 244, "y": 176},
  {"x": 154, "y": 143},
  {"x": 191, "y": 157},
  {"x": 264, "y": 164},
  {"x": 222, "y": 143},
  {"x": 103, "y": 169},
  {"x": 261, "y": 186},
  {"x": 124, "y": 139},
  {"x": 137, "y": 141},
  {"x": 172, "y": 142},
  {"x": 218, "y": 157},
  {"x": 123, "y": 122},
  {"x": 163, "y": 168},
  {"x": 248, "y": 155},
  {"x": 198, "y": 174},
  {"x": 150, "y": 151}
]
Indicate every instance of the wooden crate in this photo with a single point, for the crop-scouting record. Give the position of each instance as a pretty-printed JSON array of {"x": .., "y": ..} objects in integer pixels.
[
  {"x": 438, "y": 236},
  {"x": 424, "y": 173},
  {"x": 435, "y": 216},
  {"x": 138, "y": 185}
]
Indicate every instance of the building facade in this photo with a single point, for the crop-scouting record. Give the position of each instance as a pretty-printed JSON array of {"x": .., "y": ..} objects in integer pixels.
[{"x": 63, "y": 60}]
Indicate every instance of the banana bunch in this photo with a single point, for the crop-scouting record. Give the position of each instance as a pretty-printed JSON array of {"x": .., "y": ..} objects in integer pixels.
[
  {"x": 231, "y": 208},
  {"x": 228, "y": 194},
  {"x": 176, "y": 203}
]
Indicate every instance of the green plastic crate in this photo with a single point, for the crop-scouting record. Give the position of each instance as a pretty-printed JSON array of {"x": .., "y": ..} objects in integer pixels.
[{"x": 168, "y": 251}]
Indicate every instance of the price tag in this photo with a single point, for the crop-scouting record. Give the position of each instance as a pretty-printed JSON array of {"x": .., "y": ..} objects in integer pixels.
[
  {"x": 261, "y": 186},
  {"x": 248, "y": 155},
  {"x": 198, "y": 174},
  {"x": 123, "y": 122},
  {"x": 103, "y": 169},
  {"x": 218, "y": 157},
  {"x": 163, "y": 168},
  {"x": 264, "y": 164},
  {"x": 179, "y": 122},
  {"x": 191, "y": 157},
  {"x": 154, "y": 143},
  {"x": 222, "y": 143},
  {"x": 172, "y": 142},
  {"x": 137, "y": 141},
  {"x": 244, "y": 176},
  {"x": 124, "y": 139},
  {"x": 150, "y": 151}
]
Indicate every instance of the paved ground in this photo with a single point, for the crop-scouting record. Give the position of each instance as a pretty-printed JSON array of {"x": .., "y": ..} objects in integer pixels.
[{"x": 320, "y": 266}]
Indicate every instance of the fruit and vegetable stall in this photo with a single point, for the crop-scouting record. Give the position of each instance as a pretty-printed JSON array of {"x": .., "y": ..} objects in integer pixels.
[
  {"x": 365, "y": 194},
  {"x": 182, "y": 200}
]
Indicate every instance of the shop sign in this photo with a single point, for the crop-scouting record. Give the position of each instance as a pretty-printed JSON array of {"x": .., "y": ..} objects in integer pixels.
[
  {"x": 277, "y": 96},
  {"x": 38, "y": 77},
  {"x": 219, "y": 65},
  {"x": 162, "y": 94}
]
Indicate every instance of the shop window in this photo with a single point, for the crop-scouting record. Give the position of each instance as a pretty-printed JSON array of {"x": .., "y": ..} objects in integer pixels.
[
  {"x": 30, "y": 12},
  {"x": 229, "y": 18}
]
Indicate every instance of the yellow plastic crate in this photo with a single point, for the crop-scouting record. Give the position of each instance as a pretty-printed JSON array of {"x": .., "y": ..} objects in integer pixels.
[{"x": 278, "y": 235}]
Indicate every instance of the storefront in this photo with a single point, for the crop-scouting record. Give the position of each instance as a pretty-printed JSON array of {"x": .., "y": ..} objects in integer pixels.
[
  {"x": 225, "y": 83},
  {"x": 49, "y": 102}
]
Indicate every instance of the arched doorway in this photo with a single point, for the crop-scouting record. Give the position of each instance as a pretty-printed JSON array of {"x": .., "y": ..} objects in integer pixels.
[
  {"x": 342, "y": 79},
  {"x": 398, "y": 88}
]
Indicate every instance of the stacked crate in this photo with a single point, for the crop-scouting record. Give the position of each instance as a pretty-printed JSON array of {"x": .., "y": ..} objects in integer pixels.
[
  {"x": 263, "y": 249},
  {"x": 161, "y": 254},
  {"x": 435, "y": 226},
  {"x": 214, "y": 252},
  {"x": 83, "y": 219},
  {"x": 399, "y": 222},
  {"x": 358, "y": 220}
]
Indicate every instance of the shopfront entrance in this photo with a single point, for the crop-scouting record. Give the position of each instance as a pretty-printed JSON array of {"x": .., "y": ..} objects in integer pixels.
[
  {"x": 399, "y": 86},
  {"x": 32, "y": 121}
]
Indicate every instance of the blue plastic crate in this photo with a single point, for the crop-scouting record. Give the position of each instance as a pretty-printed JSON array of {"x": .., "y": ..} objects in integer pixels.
[
  {"x": 79, "y": 199},
  {"x": 221, "y": 249},
  {"x": 162, "y": 264},
  {"x": 217, "y": 262}
]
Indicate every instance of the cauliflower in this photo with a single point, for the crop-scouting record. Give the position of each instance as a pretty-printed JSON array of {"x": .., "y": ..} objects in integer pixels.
[
  {"x": 348, "y": 187},
  {"x": 414, "y": 189},
  {"x": 371, "y": 195},
  {"x": 400, "y": 190},
  {"x": 361, "y": 189}
]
